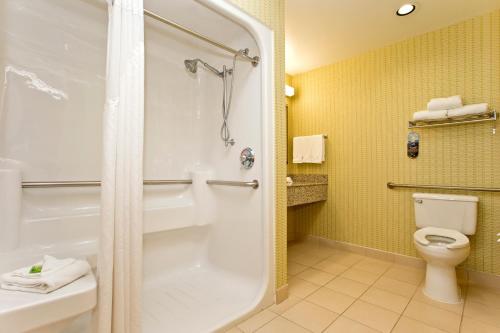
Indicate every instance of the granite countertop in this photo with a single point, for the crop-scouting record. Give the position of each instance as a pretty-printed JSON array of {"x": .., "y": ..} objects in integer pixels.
[{"x": 307, "y": 188}]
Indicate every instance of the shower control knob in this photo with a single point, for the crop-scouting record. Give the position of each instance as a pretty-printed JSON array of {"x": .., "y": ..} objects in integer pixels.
[{"x": 247, "y": 158}]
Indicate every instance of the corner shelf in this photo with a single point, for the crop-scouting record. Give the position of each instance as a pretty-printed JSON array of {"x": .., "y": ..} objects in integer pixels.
[{"x": 489, "y": 116}]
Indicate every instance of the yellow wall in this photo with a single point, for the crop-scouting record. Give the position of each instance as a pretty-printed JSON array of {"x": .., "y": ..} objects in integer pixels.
[
  {"x": 364, "y": 105},
  {"x": 272, "y": 13}
]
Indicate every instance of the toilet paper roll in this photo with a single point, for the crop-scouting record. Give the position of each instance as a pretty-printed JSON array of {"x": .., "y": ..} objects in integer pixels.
[{"x": 10, "y": 208}]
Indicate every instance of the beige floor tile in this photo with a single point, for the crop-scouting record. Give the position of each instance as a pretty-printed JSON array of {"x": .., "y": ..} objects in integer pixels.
[
  {"x": 345, "y": 325},
  {"x": 345, "y": 258},
  {"x": 322, "y": 251},
  {"x": 301, "y": 288},
  {"x": 294, "y": 268},
  {"x": 386, "y": 299},
  {"x": 486, "y": 296},
  {"x": 281, "y": 325},
  {"x": 311, "y": 316},
  {"x": 408, "y": 325},
  {"x": 285, "y": 305},
  {"x": 395, "y": 286},
  {"x": 360, "y": 276},
  {"x": 470, "y": 325},
  {"x": 482, "y": 312},
  {"x": 316, "y": 276},
  {"x": 433, "y": 316},
  {"x": 257, "y": 321},
  {"x": 330, "y": 267},
  {"x": 331, "y": 300},
  {"x": 234, "y": 330},
  {"x": 420, "y": 296},
  {"x": 306, "y": 259},
  {"x": 406, "y": 274},
  {"x": 347, "y": 286},
  {"x": 372, "y": 316},
  {"x": 373, "y": 265}
]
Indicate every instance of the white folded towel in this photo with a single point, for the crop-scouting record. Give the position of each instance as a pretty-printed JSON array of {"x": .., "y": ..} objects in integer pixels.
[
  {"x": 444, "y": 103},
  {"x": 309, "y": 149},
  {"x": 299, "y": 149},
  {"x": 53, "y": 275},
  {"x": 430, "y": 115},
  {"x": 317, "y": 148},
  {"x": 472, "y": 109}
]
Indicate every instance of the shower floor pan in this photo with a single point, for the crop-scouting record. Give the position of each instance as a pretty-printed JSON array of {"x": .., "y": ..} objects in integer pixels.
[{"x": 196, "y": 300}]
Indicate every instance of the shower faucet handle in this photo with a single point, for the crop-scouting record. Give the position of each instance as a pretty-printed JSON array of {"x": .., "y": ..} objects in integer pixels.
[{"x": 247, "y": 158}]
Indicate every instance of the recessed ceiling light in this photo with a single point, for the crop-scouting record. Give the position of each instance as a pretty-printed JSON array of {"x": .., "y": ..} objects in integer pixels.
[{"x": 405, "y": 9}]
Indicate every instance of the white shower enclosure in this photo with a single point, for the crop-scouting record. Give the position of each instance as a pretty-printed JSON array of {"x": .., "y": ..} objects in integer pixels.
[{"x": 208, "y": 248}]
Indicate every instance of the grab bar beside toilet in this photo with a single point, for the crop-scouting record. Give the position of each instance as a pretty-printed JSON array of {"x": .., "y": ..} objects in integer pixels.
[{"x": 253, "y": 184}]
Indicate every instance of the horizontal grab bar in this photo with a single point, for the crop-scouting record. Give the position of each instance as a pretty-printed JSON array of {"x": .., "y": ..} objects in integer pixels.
[
  {"x": 445, "y": 187},
  {"x": 253, "y": 184},
  {"x": 94, "y": 183}
]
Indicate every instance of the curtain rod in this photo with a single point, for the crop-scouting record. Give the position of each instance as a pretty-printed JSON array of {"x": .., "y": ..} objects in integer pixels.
[{"x": 254, "y": 60}]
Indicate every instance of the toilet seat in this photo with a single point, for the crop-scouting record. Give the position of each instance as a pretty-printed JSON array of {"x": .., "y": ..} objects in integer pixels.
[{"x": 454, "y": 239}]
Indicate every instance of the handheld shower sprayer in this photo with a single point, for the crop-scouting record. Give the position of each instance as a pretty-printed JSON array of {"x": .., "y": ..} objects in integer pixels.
[{"x": 227, "y": 93}]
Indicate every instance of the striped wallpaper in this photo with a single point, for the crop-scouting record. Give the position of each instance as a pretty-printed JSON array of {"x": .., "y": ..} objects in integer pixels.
[{"x": 364, "y": 104}]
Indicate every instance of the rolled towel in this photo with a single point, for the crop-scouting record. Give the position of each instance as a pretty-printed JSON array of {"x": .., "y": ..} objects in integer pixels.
[
  {"x": 45, "y": 276},
  {"x": 472, "y": 109},
  {"x": 444, "y": 103},
  {"x": 289, "y": 181},
  {"x": 430, "y": 115}
]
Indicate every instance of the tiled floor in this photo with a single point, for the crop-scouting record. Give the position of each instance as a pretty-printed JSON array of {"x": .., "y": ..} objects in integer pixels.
[{"x": 337, "y": 291}]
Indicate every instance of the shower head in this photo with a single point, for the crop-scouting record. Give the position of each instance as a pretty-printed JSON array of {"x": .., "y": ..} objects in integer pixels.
[{"x": 192, "y": 66}]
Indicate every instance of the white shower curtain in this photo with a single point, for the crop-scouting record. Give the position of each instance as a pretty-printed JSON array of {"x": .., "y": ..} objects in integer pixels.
[{"x": 120, "y": 244}]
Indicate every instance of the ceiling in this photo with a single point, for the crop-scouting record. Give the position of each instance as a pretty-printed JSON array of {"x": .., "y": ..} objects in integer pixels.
[{"x": 321, "y": 32}]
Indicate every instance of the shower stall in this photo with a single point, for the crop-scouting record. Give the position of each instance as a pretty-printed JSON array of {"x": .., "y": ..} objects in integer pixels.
[{"x": 208, "y": 151}]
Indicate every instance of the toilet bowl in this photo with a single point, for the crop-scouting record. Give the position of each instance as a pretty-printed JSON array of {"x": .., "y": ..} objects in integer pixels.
[
  {"x": 442, "y": 249},
  {"x": 443, "y": 221}
]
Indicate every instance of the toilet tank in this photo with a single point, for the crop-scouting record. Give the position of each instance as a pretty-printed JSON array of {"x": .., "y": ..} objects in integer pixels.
[{"x": 457, "y": 212}]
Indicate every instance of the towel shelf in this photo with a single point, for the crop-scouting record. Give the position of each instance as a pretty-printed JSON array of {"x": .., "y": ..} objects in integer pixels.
[
  {"x": 391, "y": 186},
  {"x": 490, "y": 116}
]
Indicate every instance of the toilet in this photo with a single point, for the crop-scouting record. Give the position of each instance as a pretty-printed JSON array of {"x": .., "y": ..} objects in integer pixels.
[{"x": 443, "y": 221}]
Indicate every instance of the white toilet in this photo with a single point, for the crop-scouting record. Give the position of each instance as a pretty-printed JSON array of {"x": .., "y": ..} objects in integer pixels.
[{"x": 443, "y": 221}]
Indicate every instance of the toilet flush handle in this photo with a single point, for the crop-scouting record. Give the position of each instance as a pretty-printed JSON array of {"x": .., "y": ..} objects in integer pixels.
[{"x": 419, "y": 201}]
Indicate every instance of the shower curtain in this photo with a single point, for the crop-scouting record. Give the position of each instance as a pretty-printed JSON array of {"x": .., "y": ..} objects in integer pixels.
[{"x": 119, "y": 267}]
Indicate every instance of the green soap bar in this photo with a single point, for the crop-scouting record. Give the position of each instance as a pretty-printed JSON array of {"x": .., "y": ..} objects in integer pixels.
[{"x": 36, "y": 269}]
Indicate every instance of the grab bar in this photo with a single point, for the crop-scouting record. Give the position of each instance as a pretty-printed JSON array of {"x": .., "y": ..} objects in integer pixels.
[
  {"x": 446, "y": 187},
  {"x": 94, "y": 183},
  {"x": 253, "y": 184}
]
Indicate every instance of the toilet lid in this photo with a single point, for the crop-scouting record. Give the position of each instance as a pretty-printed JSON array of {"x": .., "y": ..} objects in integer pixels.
[{"x": 452, "y": 238}]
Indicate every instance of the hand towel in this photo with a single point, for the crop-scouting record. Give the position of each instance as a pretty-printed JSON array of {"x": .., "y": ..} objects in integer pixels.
[
  {"x": 317, "y": 149},
  {"x": 444, "y": 103},
  {"x": 54, "y": 274},
  {"x": 299, "y": 149},
  {"x": 472, "y": 109},
  {"x": 430, "y": 115},
  {"x": 309, "y": 149}
]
